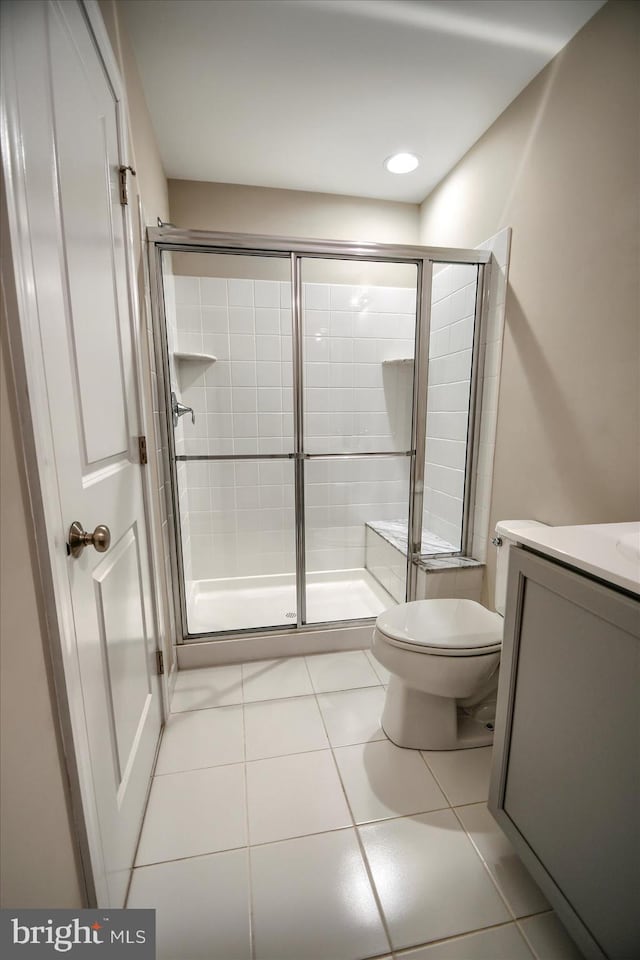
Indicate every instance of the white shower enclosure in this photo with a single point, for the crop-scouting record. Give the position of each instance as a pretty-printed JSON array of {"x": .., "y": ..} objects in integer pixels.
[{"x": 322, "y": 415}]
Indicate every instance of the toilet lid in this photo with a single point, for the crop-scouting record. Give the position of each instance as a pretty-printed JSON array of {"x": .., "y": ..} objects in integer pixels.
[{"x": 445, "y": 627}]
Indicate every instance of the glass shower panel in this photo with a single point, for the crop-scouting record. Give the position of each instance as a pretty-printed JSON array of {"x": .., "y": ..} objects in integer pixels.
[
  {"x": 229, "y": 352},
  {"x": 355, "y": 535},
  {"x": 229, "y": 334},
  {"x": 359, "y": 320},
  {"x": 451, "y": 349},
  {"x": 238, "y": 542}
]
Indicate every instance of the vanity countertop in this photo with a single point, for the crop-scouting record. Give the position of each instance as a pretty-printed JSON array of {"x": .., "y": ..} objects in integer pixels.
[{"x": 609, "y": 551}]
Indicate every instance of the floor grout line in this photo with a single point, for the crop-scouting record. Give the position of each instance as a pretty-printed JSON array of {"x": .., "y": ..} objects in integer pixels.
[
  {"x": 248, "y": 849},
  {"x": 403, "y": 951},
  {"x": 433, "y": 774},
  {"x": 295, "y": 696},
  {"x": 191, "y": 856},
  {"x": 485, "y": 865}
]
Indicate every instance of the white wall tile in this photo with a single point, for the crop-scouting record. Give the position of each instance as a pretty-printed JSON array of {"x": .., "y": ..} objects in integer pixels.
[
  {"x": 243, "y": 373},
  {"x": 240, "y": 293},
  {"x": 187, "y": 291},
  {"x": 241, "y": 319},
  {"x": 316, "y": 349},
  {"x": 341, "y": 323},
  {"x": 316, "y": 323},
  {"x": 243, "y": 399},
  {"x": 286, "y": 322},
  {"x": 267, "y": 348},
  {"x": 213, "y": 292},
  {"x": 245, "y": 425},
  {"x": 344, "y": 297},
  {"x": 267, "y": 321},
  {"x": 268, "y": 374},
  {"x": 341, "y": 350},
  {"x": 215, "y": 319},
  {"x": 316, "y": 296},
  {"x": 266, "y": 293},
  {"x": 286, "y": 350},
  {"x": 188, "y": 319},
  {"x": 285, "y": 295},
  {"x": 217, "y": 344},
  {"x": 269, "y": 399}
]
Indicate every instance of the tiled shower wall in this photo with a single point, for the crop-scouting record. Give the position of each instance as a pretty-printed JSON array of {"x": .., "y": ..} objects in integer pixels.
[
  {"x": 240, "y": 519},
  {"x": 453, "y": 302}
]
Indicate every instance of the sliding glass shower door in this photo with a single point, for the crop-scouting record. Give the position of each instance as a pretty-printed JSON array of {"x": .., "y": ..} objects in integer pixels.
[
  {"x": 229, "y": 353},
  {"x": 358, "y": 347},
  {"x": 291, "y": 387},
  {"x": 291, "y": 383}
]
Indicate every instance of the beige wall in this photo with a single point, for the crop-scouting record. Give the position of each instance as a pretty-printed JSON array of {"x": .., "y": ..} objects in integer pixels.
[
  {"x": 38, "y": 866},
  {"x": 290, "y": 213},
  {"x": 561, "y": 167},
  {"x": 230, "y": 208}
]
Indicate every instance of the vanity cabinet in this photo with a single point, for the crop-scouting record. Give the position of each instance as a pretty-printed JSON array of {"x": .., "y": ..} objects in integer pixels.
[{"x": 565, "y": 785}]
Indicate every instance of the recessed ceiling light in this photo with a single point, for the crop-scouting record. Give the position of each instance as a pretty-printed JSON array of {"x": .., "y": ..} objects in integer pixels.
[{"x": 401, "y": 163}]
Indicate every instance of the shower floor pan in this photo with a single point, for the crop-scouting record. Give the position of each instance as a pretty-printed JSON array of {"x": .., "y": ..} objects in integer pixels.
[{"x": 251, "y": 602}]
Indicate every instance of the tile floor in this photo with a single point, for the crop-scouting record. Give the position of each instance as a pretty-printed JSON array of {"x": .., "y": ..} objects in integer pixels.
[{"x": 283, "y": 825}]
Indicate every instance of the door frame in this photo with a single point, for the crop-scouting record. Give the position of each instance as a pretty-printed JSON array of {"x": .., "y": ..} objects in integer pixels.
[
  {"x": 180, "y": 240},
  {"x": 31, "y": 405}
]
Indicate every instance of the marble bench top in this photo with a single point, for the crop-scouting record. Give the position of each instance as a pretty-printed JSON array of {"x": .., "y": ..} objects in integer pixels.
[{"x": 436, "y": 552}]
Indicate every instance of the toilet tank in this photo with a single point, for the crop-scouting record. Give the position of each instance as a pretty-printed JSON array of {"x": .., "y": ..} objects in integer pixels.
[{"x": 507, "y": 533}]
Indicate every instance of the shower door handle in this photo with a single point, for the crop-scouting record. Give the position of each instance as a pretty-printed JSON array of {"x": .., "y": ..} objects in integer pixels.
[{"x": 179, "y": 409}]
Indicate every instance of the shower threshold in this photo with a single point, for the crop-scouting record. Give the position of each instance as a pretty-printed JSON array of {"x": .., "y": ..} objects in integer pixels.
[{"x": 241, "y": 603}]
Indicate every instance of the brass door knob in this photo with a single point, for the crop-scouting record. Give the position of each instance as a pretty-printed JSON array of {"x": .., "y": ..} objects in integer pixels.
[{"x": 79, "y": 538}]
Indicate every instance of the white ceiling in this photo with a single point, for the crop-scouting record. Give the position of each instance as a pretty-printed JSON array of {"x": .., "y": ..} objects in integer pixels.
[{"x": 315, "y": 94}]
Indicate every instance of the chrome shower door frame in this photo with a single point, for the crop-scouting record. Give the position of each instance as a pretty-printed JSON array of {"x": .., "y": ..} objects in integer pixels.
[{"x": 177, "y": 240}]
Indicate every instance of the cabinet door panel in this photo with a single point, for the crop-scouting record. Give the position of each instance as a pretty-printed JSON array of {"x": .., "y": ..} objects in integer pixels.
[{"x": 571, "y": 776}]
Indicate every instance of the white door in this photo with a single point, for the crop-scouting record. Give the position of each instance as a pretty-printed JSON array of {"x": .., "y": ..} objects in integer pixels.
[{"x": 64, "y": 118}]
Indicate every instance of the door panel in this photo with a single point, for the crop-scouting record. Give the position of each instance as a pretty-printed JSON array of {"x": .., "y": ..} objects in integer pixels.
[
  {"x": 88, "y": 161},
  {"x": 119, "y": 587}
]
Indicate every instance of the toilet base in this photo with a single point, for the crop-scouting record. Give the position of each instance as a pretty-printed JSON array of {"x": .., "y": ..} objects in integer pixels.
[{"x": 422, "y": 721}]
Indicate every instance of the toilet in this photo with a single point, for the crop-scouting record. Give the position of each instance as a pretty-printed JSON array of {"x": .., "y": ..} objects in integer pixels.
[{"x": 444, "y": 656}]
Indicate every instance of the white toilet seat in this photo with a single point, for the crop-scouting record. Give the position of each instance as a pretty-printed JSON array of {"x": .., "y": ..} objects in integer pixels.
[{"x": 445, "y": 628}]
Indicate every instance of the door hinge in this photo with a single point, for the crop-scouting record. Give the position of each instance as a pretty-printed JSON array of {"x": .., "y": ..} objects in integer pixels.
[
  {"x": 159, "y": 662},
  {"x": 142, "y": 449},
  {"x": 124, "y": 196}
]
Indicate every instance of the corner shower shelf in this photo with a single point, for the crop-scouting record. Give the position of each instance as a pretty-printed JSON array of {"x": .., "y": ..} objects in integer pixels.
[
  {"x": 197, "y": 357},
  {"x": 399, "y": 362}
]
